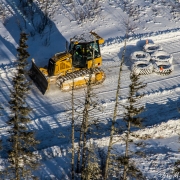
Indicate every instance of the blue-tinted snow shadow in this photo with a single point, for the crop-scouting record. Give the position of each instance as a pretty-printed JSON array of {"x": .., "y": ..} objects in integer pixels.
[
  {"x": 55, "y": 167},
  {"x": 3, "y": 52},
  {"x": 154, "y": 114},
  {"x": 157, "y": 113},
  {"x": 41, "y": 46},
  {"x": 46, "y": 123},
  {"x": 51, "y": 119},
  {"x": 6, "y": 84},
  {"x": 159, "y": 145}
]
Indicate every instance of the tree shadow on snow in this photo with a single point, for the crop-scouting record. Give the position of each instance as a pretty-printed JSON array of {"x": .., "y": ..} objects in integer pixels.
[
  {"x": 54, "y": 168},
  {"x": 154, "y": 114},
  {"x": 157, "y": 113},
  {"x": 42, "y": 46},
  {"x": 8, "y": 46},
  {"x": 51, "y": 120},
  {"x": 44, "y": 40}
]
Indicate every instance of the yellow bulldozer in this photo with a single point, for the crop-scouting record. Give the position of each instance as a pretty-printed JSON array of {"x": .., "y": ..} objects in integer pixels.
[{"x": 72, "y": 67}]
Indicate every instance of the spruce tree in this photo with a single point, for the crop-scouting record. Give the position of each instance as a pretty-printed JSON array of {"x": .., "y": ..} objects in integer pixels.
[
  {"x": 133, "y": 109},
  {"x": 21, "y": 158},
  {"x": 92, "y": 168}
]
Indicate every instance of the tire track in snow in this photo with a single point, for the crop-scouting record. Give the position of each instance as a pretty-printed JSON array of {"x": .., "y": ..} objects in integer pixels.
[
  {"x": 60, "y": 118},
  {"x": 124, "y": 91},
  {"x": 148, "y": 92},
  {"x": 125, "y": 88},
  {"x": 161, "y": 100},
  {"x": 109, "y": 65}
]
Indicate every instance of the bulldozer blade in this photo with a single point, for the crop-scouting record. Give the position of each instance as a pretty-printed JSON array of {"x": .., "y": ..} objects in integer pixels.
[{"x": 38, "y": 78}]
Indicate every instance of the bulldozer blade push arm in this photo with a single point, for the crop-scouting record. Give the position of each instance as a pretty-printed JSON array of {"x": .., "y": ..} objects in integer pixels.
[{"x": 38, "y": 78}]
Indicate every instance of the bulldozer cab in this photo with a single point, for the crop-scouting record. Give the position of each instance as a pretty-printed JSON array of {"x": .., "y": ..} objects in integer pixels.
[{"x": 84, "y": 52}]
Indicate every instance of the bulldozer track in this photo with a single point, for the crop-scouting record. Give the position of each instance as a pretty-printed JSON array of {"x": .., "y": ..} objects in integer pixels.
[{"x": 77, "y": 74}]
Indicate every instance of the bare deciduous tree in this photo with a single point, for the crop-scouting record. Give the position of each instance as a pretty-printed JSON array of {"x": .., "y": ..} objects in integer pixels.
[
  {"x": 133, "y": 109},
  {"x": 72, "y": 134},
  {"x": 114, "y": 115},
  {"x": 129, "y": 27}
]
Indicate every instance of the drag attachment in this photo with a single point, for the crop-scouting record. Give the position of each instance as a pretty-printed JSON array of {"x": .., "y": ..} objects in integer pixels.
[{"x": 38, "y": 78}]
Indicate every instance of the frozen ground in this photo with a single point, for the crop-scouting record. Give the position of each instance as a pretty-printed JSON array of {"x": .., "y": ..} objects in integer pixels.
[{"x": 158, "y": 22}]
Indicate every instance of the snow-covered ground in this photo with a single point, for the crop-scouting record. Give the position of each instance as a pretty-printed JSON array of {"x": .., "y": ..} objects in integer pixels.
[{"x": 158, "y": 21}]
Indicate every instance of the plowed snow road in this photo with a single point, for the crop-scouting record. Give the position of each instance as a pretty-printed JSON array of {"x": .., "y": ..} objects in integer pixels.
[{"x": 52, "y": 111}]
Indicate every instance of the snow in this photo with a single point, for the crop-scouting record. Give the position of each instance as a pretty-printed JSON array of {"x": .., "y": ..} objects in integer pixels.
[{"x": 51, "y": 115}]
